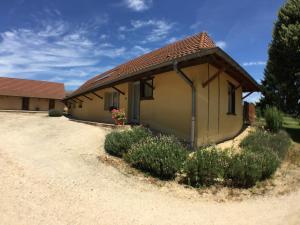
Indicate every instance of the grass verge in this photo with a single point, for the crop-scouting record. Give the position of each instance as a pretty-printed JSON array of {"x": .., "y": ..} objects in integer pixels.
[{"x": 292, "y": 126}]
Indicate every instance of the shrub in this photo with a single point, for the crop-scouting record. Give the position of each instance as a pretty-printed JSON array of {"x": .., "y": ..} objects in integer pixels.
[
  {"x": 262, "y": 141},
  {"x": 117, "y": 143},
  {"x": 258, "y": 112},
  {"x": 205, "y": 166},
  {"x": 270, "y": 162},
  {"x": 161, "y": 156},
  {"x": 55, "y": 113},
  {"x": 280, "y": 143},
  {"x": 246, "y": 168},
  {"x": 274, "y": 119}
]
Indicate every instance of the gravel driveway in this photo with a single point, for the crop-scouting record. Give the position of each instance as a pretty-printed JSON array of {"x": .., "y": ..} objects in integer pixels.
[{"x": 50, "y": 174}]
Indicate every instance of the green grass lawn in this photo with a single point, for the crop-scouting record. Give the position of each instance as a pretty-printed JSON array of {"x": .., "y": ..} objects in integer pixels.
[{"x": 292, "y": 126}]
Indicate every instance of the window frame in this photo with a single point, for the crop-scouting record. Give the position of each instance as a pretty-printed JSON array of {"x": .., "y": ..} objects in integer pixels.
[
  {"x": 231, "y": 95},
  {"x": 113, "y": 95},
  {"x": 143, "y": 89}
]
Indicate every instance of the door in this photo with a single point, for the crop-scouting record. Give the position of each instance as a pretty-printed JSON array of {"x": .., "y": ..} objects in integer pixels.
[
  {"x": 25, "y": 103},
  {"x": 135, "y": 102},
  {"x": 51, "y": 104}
]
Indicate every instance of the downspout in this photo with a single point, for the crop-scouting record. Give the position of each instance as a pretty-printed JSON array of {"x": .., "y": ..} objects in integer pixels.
[{"x": 191, "y": 84}]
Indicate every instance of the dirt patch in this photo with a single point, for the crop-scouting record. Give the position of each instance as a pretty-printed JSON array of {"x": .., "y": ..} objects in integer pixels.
[{"x": 234, "y": 143}]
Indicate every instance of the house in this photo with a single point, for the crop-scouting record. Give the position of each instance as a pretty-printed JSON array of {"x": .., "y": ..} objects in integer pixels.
[
  {"x": 33, "y": 95},
  {"x": 190, "y": 88}
]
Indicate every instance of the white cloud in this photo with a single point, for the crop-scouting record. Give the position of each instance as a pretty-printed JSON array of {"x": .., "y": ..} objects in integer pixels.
[
  {"x": 255, "y": 63},
  {"x": 101, "y": 19},
  {"x": 160, "y": 29},
  {"x": 121, "y": 37},
  {"x": 69, "y": 83},
  {"x": 74, "y": 83},
  {"x": 196, "y": 26},
  {"x": 53, "y": 49},
  {"x": 136, "y": 24},
  {"x": 221, "y": 44},
  {"x": 110, "y": 51},
  {"x": 138, "y": 50},
  {"x": 172, "y": 40},
  {"x": 138, "y": 5},
  {"x": 55, "y": 29},
  {"x": 122, "y": 28},
  {"x": 103, "y": 36}
]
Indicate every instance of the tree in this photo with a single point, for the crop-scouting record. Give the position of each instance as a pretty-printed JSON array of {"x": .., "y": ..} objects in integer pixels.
[{"x": 281, "y": 84}]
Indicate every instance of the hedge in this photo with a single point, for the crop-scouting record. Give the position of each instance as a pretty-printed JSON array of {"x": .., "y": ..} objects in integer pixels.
[
  {"x": 247, "y": 168},
  {"x": 161, "y": 156},
  {"x": 261, "y": 141},
  {"x": 55, "y": 113},
  {"x": 118, "y": 143},
  {"x": 205, "y": 166}
]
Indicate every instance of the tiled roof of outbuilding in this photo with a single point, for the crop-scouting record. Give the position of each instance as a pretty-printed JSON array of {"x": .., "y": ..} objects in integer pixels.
[{"x": 31, "y": 88}]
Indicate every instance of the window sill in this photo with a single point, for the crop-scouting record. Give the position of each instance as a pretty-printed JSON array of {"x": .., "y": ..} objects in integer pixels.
[{"x": 231, "y": 114}]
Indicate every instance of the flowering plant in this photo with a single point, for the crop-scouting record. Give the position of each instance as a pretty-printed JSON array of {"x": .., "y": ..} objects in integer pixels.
[{"x": 118, "y": 116}]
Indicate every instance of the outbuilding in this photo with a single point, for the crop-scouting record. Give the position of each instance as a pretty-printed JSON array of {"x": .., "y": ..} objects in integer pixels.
[
  {"x": 31, "y": 95},
  {"x": 190, "y": 88}
]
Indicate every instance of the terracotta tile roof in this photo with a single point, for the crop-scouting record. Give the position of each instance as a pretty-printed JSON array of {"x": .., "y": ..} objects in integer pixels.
[
  {"x": 31, "y": 88},
  {"x": 187, "y": 46}
]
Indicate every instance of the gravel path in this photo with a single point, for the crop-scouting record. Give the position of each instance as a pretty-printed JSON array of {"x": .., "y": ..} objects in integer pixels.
[{"x": 50, "y": 174}]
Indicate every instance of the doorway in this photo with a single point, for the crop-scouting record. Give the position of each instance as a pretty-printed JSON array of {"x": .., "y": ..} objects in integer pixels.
[
  {"x": 135, "y": 103},
  {"x": 25, "y": 103},
  {"x": 51, "y": 104}
]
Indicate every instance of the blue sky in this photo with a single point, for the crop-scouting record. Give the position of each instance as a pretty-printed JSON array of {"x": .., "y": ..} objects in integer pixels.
[{"x": 72, "y": 40}]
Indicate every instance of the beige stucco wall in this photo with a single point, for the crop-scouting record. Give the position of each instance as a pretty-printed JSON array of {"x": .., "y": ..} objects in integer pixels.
[
  {"x": 170, "y": 110},
  {"x": 213, "y": 122},
  {"x": 60, "y": 105},
  {"x": 93, "y": 110},
  {"x": 10, "y": 103},
  {"x": 40, "y": 104}
]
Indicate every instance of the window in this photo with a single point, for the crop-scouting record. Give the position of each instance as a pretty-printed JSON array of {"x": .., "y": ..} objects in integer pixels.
[
  {"x": 111, "y": 100},
  {"x": 231, "y": 98},
  {"x": 80, "y": 105},
  {"x": 74, "y": 106},
  {"x": 146, "y": 89}
]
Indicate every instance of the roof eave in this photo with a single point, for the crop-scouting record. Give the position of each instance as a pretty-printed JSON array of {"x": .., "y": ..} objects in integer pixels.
[
  {"x": 231, "y": 61},
  {"x": 202, "y": 53}
]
